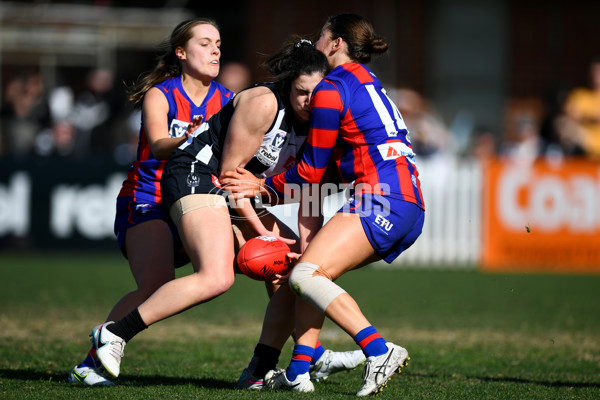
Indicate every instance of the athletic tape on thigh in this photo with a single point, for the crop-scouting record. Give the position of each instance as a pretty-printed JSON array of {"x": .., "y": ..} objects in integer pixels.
[
  {"x": 193, "y": 202},
  {"x": 314, "y": 289}
]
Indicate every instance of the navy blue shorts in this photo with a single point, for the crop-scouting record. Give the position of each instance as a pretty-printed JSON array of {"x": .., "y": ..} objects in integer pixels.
[
  {"x": 391, "y": 225},
  {"x": 130, "y": 213}
]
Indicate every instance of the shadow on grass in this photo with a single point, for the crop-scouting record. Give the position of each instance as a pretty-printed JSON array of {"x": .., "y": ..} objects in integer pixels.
[
  {"x": 158, "y": 380},
  {"x": 128, "y": 380},
  {"x": 154, "y": 380},
  {"x": 508, "y": 379},
  {"x": 538, "y": 382}
]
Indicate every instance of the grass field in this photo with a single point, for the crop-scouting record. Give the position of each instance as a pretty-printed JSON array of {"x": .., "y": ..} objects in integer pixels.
[{"x": 470, "y": 335}]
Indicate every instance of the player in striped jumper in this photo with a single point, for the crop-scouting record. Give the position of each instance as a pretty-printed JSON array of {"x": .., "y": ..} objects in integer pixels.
[
  {"x": 353, "y": 122},
  {"x": 175, "y": 98},
  {"x": 255, "y": 129}
]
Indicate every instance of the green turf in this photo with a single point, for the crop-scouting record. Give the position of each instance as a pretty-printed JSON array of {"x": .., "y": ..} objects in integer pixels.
[{"x": 470, "y": 335}]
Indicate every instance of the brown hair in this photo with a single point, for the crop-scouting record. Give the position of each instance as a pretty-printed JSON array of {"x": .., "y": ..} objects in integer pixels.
[
  {"x": 168, "y": 64},
  {"x": 359, "y": 35},
  {"x": 297, "y": 57}
]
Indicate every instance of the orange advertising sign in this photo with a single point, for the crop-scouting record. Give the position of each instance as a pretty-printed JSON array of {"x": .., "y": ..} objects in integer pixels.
[{"x": 541, "y": 216}]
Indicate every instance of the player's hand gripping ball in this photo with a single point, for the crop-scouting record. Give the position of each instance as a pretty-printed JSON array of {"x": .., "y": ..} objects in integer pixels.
[{"x": 262, "y": 257}]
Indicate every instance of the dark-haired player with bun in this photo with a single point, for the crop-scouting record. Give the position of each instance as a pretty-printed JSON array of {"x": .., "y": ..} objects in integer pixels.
[
  {"x": 353, "y": 121},
  {"x": 257, "y": 129}
]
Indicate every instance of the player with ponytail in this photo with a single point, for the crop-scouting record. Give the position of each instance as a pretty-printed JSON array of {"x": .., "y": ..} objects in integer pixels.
[
  {"x": 262, "y": 129},
  {"x": 353, "y": 122}
]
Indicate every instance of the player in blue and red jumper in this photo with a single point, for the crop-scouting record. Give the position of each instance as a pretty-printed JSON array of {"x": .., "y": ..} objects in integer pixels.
[
  {"x": 175, "y": 97},
  {"x": 353, "y": 122},
  {"x": 260, "y": 129}
]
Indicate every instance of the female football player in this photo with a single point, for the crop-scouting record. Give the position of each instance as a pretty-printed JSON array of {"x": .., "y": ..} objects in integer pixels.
[
  {"x": 252, "y": 130},
  {"x": 351, "y": 114},
  {"x": 175, "y": 98}
]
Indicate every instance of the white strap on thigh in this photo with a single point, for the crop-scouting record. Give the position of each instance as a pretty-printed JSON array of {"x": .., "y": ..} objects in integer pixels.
[{"x": 314, "y": 289}]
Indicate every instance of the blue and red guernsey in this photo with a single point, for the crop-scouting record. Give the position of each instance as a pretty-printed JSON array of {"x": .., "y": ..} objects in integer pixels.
[
  {"x": 353, "y": 120},
  {"x": 143, "y": 178}
]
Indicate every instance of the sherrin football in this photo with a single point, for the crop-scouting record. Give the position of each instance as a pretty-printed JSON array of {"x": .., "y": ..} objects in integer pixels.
[{"x": 262, "y": 257}]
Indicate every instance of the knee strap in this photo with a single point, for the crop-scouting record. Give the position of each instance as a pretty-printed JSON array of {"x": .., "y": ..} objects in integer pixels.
[{"x": 313, "y": 288}]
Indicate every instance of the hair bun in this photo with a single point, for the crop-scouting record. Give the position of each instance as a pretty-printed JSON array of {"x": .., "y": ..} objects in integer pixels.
[
  {"x": 378, "y": 45},
  {"x": 304, "y": 42}
]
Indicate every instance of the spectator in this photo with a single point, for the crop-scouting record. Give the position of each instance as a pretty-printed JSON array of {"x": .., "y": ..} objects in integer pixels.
[
  {"x": 431, "y": 140},
  {"x": 428, "y": 134},
  {"x": 525, "y": 144},
  {"x": 483, "y": 146},
  {"x": 24, "y": 114},
  {"x": 58, "y": 140},
  {"x": 93, "y": 114},
  {"x": 583, "y": 107},
  {"x": 560, "y": 134},
  {"x": 125, "y": 151}
]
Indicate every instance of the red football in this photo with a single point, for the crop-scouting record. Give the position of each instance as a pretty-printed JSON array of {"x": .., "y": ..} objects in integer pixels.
[{"x": 262, "y": 257}]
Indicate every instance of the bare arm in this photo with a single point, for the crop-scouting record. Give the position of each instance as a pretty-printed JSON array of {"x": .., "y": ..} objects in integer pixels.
[
  {"x": 154, "y": 111},
  {"x": 255, "y": 110}
]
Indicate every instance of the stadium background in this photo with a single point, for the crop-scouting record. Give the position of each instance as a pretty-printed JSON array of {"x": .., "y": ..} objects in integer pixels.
[{"x": 481, "y": 66}]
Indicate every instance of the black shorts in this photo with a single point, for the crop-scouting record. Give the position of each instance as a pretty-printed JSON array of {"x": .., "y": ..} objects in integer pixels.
[{"x": 184, "y": 175}]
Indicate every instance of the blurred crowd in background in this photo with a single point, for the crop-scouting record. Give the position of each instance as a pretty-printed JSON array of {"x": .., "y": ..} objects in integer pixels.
[
  {"x": 61, "y": 122},
  {"x": 98, "y": 121},
  {"x": 95, "y": 121}
]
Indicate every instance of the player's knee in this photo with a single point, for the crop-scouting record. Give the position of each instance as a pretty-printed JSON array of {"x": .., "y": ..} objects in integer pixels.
[
  {"x": 223, "y": 283},
  {"x": 310, "y": 285},
  {"x": 300, "y": 274},
  {"x": 211, "y": 284}
]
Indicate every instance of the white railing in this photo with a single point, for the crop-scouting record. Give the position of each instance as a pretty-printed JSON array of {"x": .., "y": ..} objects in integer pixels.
[
  {"x": 452, "y": 190},
  {"x": 452, "y": 232}
]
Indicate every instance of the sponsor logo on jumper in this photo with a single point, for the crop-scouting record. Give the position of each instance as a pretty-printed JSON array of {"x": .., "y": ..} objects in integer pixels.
[
  {"x": 393, "y": 150},
  {"x": 383, "y": 223},
  {"x": 142, "y": 208},
  {"x": 268, "y": 156},
  {"x": 279, "y": 139},
  {"x": 178, "y": 128},
  {"x": 193, "y": 180}
]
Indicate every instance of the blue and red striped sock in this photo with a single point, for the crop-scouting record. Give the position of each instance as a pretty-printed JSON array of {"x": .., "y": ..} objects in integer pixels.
[
  {"x": 371, "y": 342},
  {"x": 300, "y": 363},
  {"x": 319, "y": 350},
  {"x": 90, "y": 360}
]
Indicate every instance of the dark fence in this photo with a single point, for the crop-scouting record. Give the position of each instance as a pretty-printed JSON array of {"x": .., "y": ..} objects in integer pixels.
[{"x": 58, "y": 204}]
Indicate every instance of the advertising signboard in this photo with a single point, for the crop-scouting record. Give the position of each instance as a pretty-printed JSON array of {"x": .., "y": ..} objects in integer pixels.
[{"x": 541, "y": 216}]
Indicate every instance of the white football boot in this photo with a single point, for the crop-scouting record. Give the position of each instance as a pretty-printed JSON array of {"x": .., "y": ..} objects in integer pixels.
[
  {"x": 88, "y": 376},
  {"x": 276, "y": 379},
  {"x": 109, "y": 348},
  {"x": 379, "y": 370},
  {"x": 332, "y": 362}
]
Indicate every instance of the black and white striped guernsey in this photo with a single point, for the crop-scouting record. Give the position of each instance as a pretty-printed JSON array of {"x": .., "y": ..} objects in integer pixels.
[
  {"x": 278, "y": 151},
  {"x": 194, "y": 166}
]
